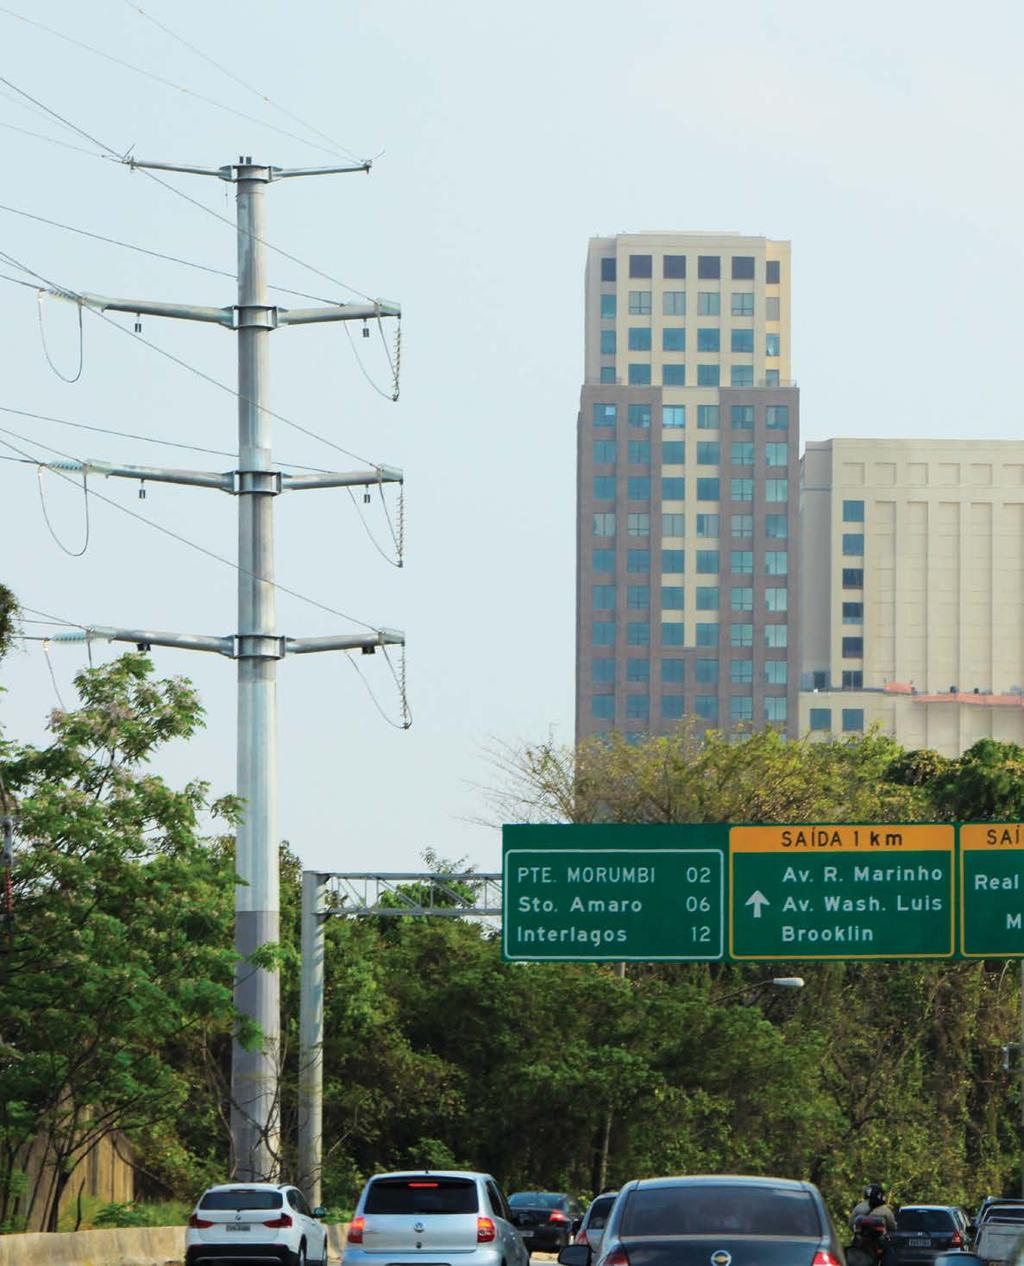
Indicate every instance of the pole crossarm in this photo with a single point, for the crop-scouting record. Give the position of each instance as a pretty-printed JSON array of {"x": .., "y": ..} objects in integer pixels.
[
  {"x": 153, "y": 307},
  {"x": 412, "y": 893},
  {"x": 148, "y": 474},
  {"x": 232, "y": 481},
  {"x": 340, "y": 312},
  {"x": 150, "y": 637},
  {"x": 366, "y": 642},
  {"x": 236, "y": 646},
  {"x": 342, "y": 479},
  {"x": 230, "y": 172}
]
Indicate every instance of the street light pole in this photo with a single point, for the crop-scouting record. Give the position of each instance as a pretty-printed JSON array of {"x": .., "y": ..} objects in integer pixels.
[{"x": 777, "y": 982}]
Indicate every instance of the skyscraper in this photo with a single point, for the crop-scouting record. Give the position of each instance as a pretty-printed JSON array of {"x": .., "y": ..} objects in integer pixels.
[{"x": 688, "y": 439}]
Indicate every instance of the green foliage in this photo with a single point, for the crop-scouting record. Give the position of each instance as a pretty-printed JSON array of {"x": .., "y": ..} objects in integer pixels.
[{"x": 9, "y": 611}]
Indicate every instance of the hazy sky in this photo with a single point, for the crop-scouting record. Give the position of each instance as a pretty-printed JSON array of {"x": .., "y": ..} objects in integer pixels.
[{"x": 879, "y": 139}]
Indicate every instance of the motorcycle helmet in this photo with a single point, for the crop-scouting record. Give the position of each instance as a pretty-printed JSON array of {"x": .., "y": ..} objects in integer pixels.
[{"x": 874, "y": 1195}]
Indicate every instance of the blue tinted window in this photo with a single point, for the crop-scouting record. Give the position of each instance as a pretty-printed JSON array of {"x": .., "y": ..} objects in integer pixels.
[
  {"x": 640, "y": 265},
  {"x": 709, "y": 266},
  {"x": 775, "y": 708},
  {"x": 853, "y": 679},
  {"x": 776, "y": 636},
  {"x": 607, "y": 342},
  {"x": 673, "y": 488},
  {"x": 640, "y": 415},
  {"x": 709, "y": 376},
  {"x": 673, "y": 302},
  {"x": 853, "y": 543},
  {"x": 741, "y": 376},
  {"x": 772, "y": 271},
  {"x": 742, "y": 416},
  {"x": 743, "y": 268},
  {"x": 602, "y": 707},
  {"x": 853, "y": 511},
  {"x": 776, "y": 562},
  {"x": 741, "y": 452},
  {"x": 772, "y": 345},
  {"x": 741, "y": 635},
  {"x": 853, "y": 719},
  {"x": 672, "y": 560},
  {"x": 853, "y": 647},
  {"x": 673, "y": 375},
  {"x": 638, "y": 633},
  {"x": 709, "y": 340},
  {"x": 706, "y": 672},
  {"x": 707, "y": 634},
  {"x": 776, "y": 489},
  {"x": 741, "y": 671},
  {"x": 853, "y": 577},
  {"x": 638, "y": 670},
  {"x": 639, "y": 375},
  {"x": 742, "y": 561},
  {"x": 673, "y": 339},
  {"x": 638, "y": 597},
  {"x": 639, "y": 338},
  {"x": 709, "y": 526},
  {"x": 741, "y": 489},
  {"x": 603, "y": 633},
  {"x": 672, "y": 670},
  {"x": 607, "y": 269},
  {"x": 776, "y": 417},
  {"x": 602, "y": 672},
  {"x": 638, "y": 488},
  {"x": 638, "y": 560},
  {"x": 639, "y": 452},
  {"x": 741, "y": 598},
  {"x": 604, "y": 560},
  {"x": 673, "y": 452},
  {"x": 776, "y": 526},
  {"x": 604, "y": 487},
  {"x": 742, "y": 341},
  {"x": 671, "y": 707},
  {"x": 604, "y": 597},
  {"x": 821, "y": 719},
  {"x": 604, "y": 524},
  {"x": 605, "y": 414},
  {"x": 741, "y": 708},
  {"x": 608, "y": 307},
  {"x": 853, "y": 612},
  {"x": 672, "y": 524},
  {"x": 706, "y": 707},
  {"x": 707, "y": 598},
  {"x": 708, "y": 452},
  {"x": 673, "y": 415},
  {"x": 674, "y": 266},
  {"x": 707, "y": 562},
  {"x": 671, "y": 598},
  {"x": 607, "y": 373},
  {"x": 776, "y": 672},
  {"x": 708, "y": 417},
  {"x": 604, "y": 452},
  {"x": 637, "y": 707},
  {"x": 708, "y": 490},
  {"x": 671, "y": 634}
]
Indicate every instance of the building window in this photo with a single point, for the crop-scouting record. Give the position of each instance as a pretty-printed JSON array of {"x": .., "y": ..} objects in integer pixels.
[
  {"x": 853, "y": 612},
  {"x": 775, "y": 709},
  {"x": 639, "y": 303},
  {"x": 741, "y": 489},
  {"x": 853, "y": 577},
  {"x": 771, "y": 345},
  {"x": 671, "y": 635},
  {"x": 673, "y": 453},
  {"x": 673, "y": 488},
  {"x": 639, "y": 375},
  {"x": 707, "y": 598},
  {"x": 607, "y": 269},
  {"x": 706, "y": 707},
  {"x": 741, "y": 526},
  {"x": 638, "y": 633},
  {"x": 673, "y": 266},
  {"x": 853, "y": 511},
  {"x": 608, "y": 374},
  {"x": 604, "y": 524},
  {"x": 741, "y": 376},
  {"x": 741, "y": 417},
  {"x": 672, "y": 670},
  {"x": 853, "y": 679},
  {"x": 707, "y": 562},
  {"x": 673, "y": 415},
  {"x": 671, "y": 597},
  {"x": 853, "y": 648},
  {"x": 743, "y": 268},
  {"x": 638, "y": 560},
  {"x": 604, "y": 452},
  {"x": 709, "y": 303},
  {"x": 638, "y": 597},
  {"x": 853, "y": 720},
  {"x": 709, "y": 267},
  {"x": 709, "y": 417},
  {"x": 709, "y": 340},
  {"x": 607, "y": 342},
  {"x": 673, "y": 339},
  {"x": 604, "y": 560},
  {"x": 672, "y": 525},
  {"x": 706, "y": 672},
  {"x": 638, "y": 488},
  {"x": 640, "y": 416},
  {"x": 639, "y": 452},
  {"x": 853, "y": 544},
  {"x": 602, "y": 672},
  {"x": 604, "y": 487},
  {"x": 640, "y": 265},
  {"x": 776, "y": 562},
  {"x": 741, "y": 635},
  {"x": 776, "y": 636},
  {"x": 707, "y": 634},
  {"x": 602, "y": 707},
  {"x": 776, "y": 454},
  {"x": 639, "y": 338},
  {"x": 776, "y": 417},
  {"x": 673, "y": 375},
  {"x": 741, "y": 672},
  {"x": 741, "y": 599},
  {"x": 741, "y": 452},
  {"x": 775, "y": 672},
  {"x": 673, "y": 303},
  {"x": 821, "y": 720},
  {"x": 673, "y": 560},
  {"x": 608, "y": 307},
  {"x": 707, "y": 490},
  {"x": 638, "y": 524},
  {"x": 637, "y": 707},
  {"x": 671, "y": 707},
  {"x": 708, "y": 526},
  {"x": 638, "y": 670},
  {"x": 741, "y": 341},
  {"x": 604, "y": 598},
  {"x": 603, "y": 633},
  {"x": 708, "y": 453},
  {"x": 741, "y": 562},
  {"x": 776, "y": 527},
  {"x": 772, "y": 308},
  {"x": 776, "y": 599},
  {"x": 605, "y": 414},
  {"x": 743, "y": 305},
  {"x": 776, "y": 490},
  {"x": 772, "y": 272},
  {"x": 741, "y": 708}
]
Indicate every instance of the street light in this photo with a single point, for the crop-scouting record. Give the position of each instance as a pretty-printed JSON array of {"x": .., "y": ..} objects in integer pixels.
[{"x": 777, "y": 982}]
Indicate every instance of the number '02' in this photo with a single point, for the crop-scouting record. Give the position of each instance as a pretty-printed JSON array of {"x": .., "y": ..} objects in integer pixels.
[{"x": 698, "y": 874}]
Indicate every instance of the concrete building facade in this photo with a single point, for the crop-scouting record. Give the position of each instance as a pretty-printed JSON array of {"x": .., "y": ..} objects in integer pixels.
[
  {"x": 913, "y": 584},
  {"x": 687, "y": 474}
]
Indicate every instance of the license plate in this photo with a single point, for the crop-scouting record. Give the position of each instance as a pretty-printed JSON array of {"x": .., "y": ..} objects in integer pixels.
[
  {"x": 237, "y": 1226},
  {"x": 920, "y": 1243}
]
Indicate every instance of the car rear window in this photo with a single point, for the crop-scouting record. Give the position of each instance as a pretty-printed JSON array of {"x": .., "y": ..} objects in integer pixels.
[
  {"x": 924, "y": 1220},
  {"x": 720, "y": 1209},
  {"x": 1005, "y": 1213},
  {"x": 599, "y": 1211},
  {"x": 538, "y": 1200},
  {"x": 241, "y": 1198},
  {"x": 421, "y": 1195}
]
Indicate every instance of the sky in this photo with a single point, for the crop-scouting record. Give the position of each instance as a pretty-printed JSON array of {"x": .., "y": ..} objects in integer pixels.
[{"x": 878, "y": 139}]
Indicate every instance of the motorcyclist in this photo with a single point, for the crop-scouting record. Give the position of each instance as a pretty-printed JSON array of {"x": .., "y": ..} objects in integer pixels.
[{"x": 874, "y": 1203}]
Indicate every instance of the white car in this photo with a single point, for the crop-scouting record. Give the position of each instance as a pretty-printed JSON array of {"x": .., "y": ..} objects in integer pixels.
[{"x": 255, "y": 1222}]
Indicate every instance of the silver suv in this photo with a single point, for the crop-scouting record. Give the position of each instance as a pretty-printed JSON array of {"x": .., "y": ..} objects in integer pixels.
[{"x": 444, "y": 1218}]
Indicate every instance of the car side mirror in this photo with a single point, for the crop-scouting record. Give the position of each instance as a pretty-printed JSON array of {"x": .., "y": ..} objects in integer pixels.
[
  {"x": 575, "y": 1255},
  {"x": 320, "y": 1212}
]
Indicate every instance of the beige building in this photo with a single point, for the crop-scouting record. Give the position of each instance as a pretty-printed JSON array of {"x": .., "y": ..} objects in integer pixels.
[{"x": 912, "y": 590}]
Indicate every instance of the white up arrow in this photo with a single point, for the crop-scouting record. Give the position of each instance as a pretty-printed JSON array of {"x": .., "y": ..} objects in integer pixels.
[{"x": 757, "y": 900}]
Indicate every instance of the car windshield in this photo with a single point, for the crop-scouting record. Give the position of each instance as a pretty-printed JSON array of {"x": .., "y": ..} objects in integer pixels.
[
  {"x": 599, "y": 1211},
  {"x": 924, "y": 1220},
  {"x": 421, "y": 1195},
  {"x": 720, "y": 1209},
  {"x": 241, "y": 1198},
  {"x": 538, "y": 1200}
]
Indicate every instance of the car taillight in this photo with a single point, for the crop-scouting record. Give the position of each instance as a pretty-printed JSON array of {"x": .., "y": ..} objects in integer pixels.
[
  {"x": 557, "y": 1215},
  {"x": 197, "y": 1223},
  {"x": 485, "y": 1231},
  {"x": 355, "y": 1230},
  {"x": 824, "y": 1258},
  {"x": 284, "y": 1220},
  {"x": 619, "y": 1257},
  {"x": 957, "y": 1240}
]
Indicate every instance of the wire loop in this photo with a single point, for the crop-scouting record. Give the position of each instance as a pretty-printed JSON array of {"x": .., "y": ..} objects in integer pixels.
[{"x": 40, "y": 296}]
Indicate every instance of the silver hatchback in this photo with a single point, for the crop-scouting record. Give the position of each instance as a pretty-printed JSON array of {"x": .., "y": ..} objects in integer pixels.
[{"x": 444, "y": 1218}]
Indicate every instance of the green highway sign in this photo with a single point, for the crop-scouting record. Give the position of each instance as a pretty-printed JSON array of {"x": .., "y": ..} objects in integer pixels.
[
  {"x": 992, "y": 890},
  {"x": 841, "y": 891},
  {"x": 614, "y": 893}
]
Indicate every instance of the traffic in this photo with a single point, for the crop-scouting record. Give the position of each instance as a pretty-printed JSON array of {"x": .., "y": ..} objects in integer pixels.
[{"x": 463, "y": 1218}]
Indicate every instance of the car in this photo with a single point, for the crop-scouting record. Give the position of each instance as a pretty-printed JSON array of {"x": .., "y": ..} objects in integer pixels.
[
  {"x": 593, "y": 1222},
  {"x": 925, "y": 1230},
  {"x": 433, "y": 1218},
  {"x": 725, "y": 1220},
  {"x": 546, "y": 1219},
  {"x": 255, "y": 1222},
  {"x": 1000, "y": 1230}
]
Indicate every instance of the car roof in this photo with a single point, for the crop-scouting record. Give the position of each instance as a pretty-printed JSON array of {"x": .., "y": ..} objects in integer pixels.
[
  {"x": 538, "y": 1191},
  {"x": 948, "y": 1208},
  {"x": 251, "y": 1186},
  {"x": 739, "y": 1180},
  {"x": 430, "y": 1173}
]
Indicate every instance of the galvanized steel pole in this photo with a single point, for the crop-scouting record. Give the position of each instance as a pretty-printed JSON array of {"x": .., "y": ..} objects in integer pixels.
[{"x": 311, "y": 1035}]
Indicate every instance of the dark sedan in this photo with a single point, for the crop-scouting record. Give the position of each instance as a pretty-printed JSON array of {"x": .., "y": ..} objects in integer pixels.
[
  {"x": 545, "y": 1219},
  {"x": 724, "y": 1220},
  {"x": 923, "y": 1231}
]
